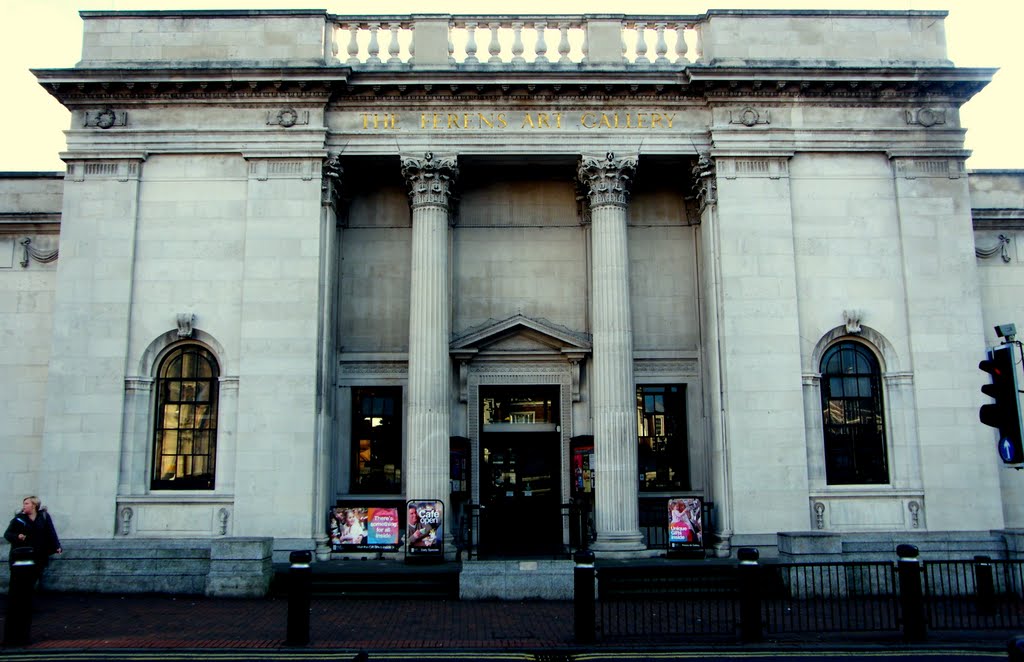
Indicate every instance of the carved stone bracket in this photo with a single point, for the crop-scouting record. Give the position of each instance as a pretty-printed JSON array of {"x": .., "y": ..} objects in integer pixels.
[
  {"x": 431, "y": 179},
  {"x": 29, "y": 252},
  {"x": 287, "y": 117},
  {"x": 126, "y": 521},
  {"x": 705, "y": 182},
  {"x": 1001, "y": 249},
  {"x": 222, "y": 519},
  {"x": 819, "y": 515},
  {"x": 607, "y": 181},
  {"x": 749, "y": 117},
  {"x": 185, "y": 321},
  {"x": 105, "y": 119},
  {"x": 926, "y": 117},
  {"x": 915, "y": 514},
  {"x": 852, "y": 319},
  {"x": 330, "y": 183}
]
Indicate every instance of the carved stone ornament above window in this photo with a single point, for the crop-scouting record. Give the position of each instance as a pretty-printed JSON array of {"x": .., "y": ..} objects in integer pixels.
[
  {"x": 185, "y": 321},
  {"x": 749, "y": 117},
  {"x": 1001, "y": 249},
  {"x": 852, "y": 319},
  {"x": 106, "y": 118},
  {"x": 926, "y": 116},
  {"x": 287, "y": 117}
]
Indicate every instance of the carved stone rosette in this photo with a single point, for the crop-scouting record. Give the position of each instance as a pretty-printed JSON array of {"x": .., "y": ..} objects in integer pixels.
[
  {"x": 431, "y": 179},
  {"x": 607, "y": 180}
]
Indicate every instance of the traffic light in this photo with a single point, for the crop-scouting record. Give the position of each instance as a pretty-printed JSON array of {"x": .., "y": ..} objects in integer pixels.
[{"x": 1004, "y": 414}]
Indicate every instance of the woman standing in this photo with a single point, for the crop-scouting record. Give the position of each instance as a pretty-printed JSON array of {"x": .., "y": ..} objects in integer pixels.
[{"x": 32, "y": 527}]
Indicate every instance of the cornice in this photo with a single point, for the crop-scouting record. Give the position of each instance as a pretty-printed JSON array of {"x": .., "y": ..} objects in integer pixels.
[
  {"x": 71, "y": 86},
  {"x": 849, "y": 84}
]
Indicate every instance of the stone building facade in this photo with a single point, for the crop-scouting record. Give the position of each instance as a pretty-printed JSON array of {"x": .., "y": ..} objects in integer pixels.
[{"x": 734, "y": 256}]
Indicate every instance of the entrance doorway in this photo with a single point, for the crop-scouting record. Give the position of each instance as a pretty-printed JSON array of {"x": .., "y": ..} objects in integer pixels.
[{"x": 520, "y": 472}]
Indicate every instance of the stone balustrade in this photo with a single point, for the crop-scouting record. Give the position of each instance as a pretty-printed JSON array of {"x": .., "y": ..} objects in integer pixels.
[
  {"x": 520, "y": 41},
  {"x": 554, "y": 42}
]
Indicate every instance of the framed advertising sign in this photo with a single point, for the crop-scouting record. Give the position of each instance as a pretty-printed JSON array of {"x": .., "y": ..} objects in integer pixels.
[
  {"x": 686, "y": 526},
  {"x": 364, "y": 527},
  {"x": 424, "y": 534}
]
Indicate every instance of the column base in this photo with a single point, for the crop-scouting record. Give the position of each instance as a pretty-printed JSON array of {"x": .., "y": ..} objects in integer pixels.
[{"x": 620, "y": 542}]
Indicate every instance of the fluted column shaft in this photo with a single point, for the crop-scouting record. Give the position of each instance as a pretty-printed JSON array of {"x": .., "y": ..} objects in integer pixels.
[
  {"x": 613, "y": 392},
  {"x": 427, "y": 471}
]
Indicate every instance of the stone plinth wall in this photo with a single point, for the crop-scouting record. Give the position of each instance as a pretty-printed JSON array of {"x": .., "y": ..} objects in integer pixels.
[
  {"x": 846, "y": 38},
  {"x": 230, "y": 567},
  {"x": 516, "y": 580},
  {"x": 296, "y": 37}
]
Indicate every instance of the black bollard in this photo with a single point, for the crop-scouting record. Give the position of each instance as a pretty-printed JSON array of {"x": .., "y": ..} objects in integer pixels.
[
  {"x": 911, "y": 599},
  {"x": 584, "y": 605},
  {"x": 300, "y": 583},
  {"x": 984, "y": 585},
  {"x": 18, "y": 622},
  {"x": 1015, "y": 649},
  {"x": 749, "y": 575}
]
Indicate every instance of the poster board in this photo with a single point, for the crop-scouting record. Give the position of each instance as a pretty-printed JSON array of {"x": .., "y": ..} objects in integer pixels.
[
  {"x": 366, "y": 526},
  {"x": 424, "y": 530},
  {"x": 686, "y": 526}
]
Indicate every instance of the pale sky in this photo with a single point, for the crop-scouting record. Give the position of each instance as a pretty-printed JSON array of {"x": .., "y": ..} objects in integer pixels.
[{"x": 48, "y": 34}]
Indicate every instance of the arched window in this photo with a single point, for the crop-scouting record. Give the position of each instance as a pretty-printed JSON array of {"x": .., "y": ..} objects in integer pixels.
[
  {"x": 852, "y": 416},
  {"x": 185, "y": 438}
]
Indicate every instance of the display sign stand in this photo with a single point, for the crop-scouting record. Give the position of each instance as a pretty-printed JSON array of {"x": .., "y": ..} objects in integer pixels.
[
  {"x": 685, "y": 528},
  {"x": 424, "y": 532}
]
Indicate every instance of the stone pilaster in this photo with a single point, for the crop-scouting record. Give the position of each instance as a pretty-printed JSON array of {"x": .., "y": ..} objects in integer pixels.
[
  {"x": 607, "y": 183},
  {"x": 430, "y": 180}
]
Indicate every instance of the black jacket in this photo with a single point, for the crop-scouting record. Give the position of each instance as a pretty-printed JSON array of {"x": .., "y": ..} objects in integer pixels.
[{"x": 39, "y": 535}]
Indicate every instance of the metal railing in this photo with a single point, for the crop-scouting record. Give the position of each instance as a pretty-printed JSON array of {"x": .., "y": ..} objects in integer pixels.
[
  {"x": 981, "y": 594},
  {"x": 748, "y": 600}
]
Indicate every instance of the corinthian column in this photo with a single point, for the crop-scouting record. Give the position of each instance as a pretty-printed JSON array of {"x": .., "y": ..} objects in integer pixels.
[
  {"x": 426, "y": 468},
  {"x": 613, "y": 393}
]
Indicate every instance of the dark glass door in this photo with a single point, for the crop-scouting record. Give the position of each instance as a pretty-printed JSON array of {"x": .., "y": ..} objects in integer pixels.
[{"x": 520, "y": 491}]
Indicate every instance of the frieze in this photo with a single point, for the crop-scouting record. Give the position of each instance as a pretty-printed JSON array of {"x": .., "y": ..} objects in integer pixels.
[
  {"x": 263, "y": 169},
  {"x": 749, "y": 117},
  {"x": 926, "y": 117},
  {"x": 913, "y": 168},
  {"x": 105, "y": 119},
  {"x": 287, "y": 117},
  {"x": 375, "y": 368},
  {"x": 121, "y": 170},
  {"x": 767, "y": 167},
  {"x": 651, "y": 367}
]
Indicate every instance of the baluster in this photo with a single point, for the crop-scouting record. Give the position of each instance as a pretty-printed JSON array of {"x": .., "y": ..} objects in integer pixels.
[
  {"x": 641, "y": 44},
  {"x": 622, "y": 42},
  {"x": 517, "y": 43},
  {"x": 353, "y": 44},
  {"x": 563, "y": 44},
  {"x": 471, "y": 44},
  {"x": 374, "y": 48},
  {"x": 698, "y": 51},
  {"x": 660, "y": 47},
  {"x": 542, "y": 46},
  {"x": 585, "y": 47},
  {"x": 393, "y": 45},
  {"x": 412, "y": 45},
  {"x": 494, "y": 48},
  {"x": 681, "y": 44},
  {"x": 451, "y": 44}
]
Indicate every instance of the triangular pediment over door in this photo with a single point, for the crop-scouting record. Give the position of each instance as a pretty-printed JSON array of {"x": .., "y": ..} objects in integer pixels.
[{"x": 520, "y": 339}]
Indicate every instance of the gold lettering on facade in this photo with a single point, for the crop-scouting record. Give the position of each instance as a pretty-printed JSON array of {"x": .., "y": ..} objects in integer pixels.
[
  {"x": 381, "y": 121},
  {"x": 532, "y": 120}
]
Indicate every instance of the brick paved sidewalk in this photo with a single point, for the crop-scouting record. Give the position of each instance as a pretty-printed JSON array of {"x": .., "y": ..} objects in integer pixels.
[{"x": 84, "y": 621}]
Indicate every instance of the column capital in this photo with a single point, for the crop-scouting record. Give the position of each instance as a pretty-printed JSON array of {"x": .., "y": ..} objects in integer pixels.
[
  {"x": 430, "y": 179},
  {"x": 607, "y": 180}
]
